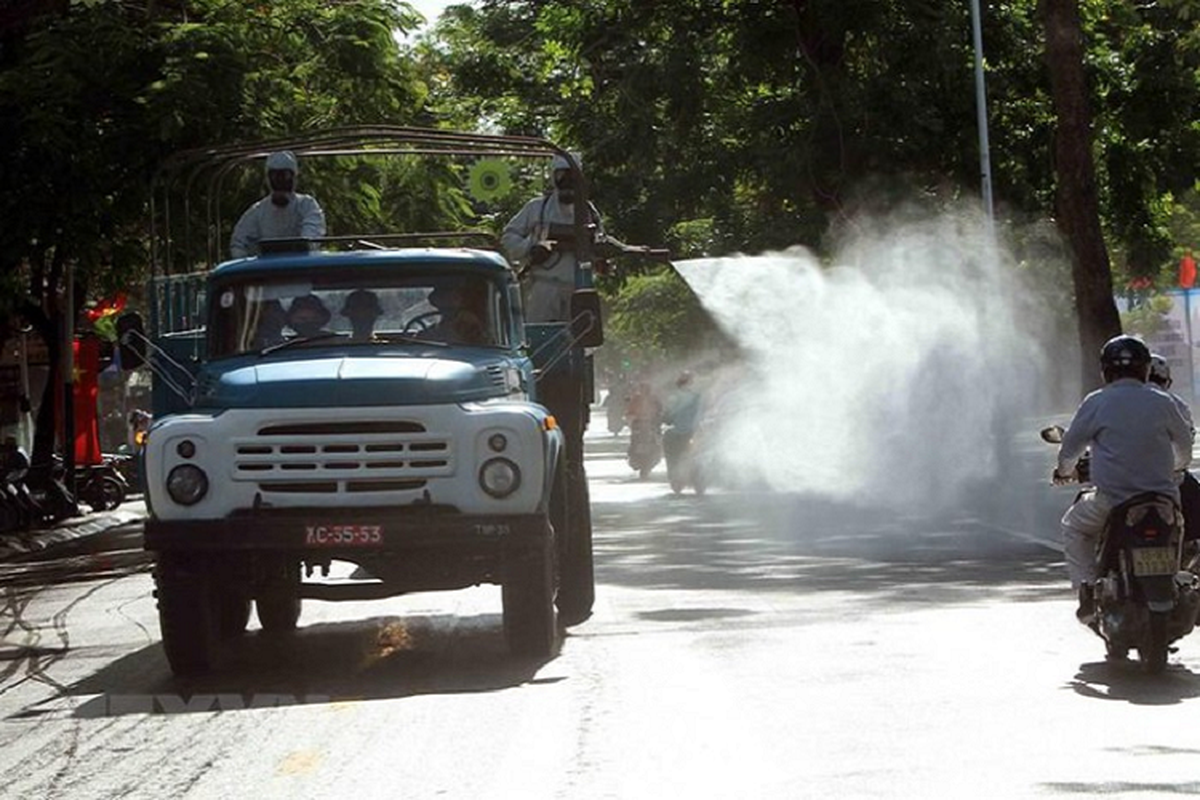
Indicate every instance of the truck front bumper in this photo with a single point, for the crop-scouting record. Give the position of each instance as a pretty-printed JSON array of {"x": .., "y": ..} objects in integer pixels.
[{"x": 343, "y": 533}]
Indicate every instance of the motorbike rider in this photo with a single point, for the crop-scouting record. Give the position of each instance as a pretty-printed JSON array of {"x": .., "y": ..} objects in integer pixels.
[
  {"x": 549, "y": 271},
  {"x": 681, "y": 413},
  {"x": 282, "y": 214},
  {"x": 644, "y": 412},
  {"x": 1139, "y": 440},
  {"x": 1189, "y": 487}
]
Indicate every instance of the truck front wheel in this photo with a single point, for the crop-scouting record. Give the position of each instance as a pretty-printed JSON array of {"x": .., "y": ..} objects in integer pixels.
[
  {"x": 186, "y": 614},
  {"x": 527, "y": 593}
]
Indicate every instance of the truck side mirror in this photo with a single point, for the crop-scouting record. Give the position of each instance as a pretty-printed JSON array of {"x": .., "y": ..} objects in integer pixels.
[
  {"x": 131, "y": 340},
  {"x": 586, "y": 325}
]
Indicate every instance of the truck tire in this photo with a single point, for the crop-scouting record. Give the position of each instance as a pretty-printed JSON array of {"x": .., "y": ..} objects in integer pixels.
[
  {"x": 527, "y": 593},
  {"x": 233, "y": 613},
  {"x": 577, "y": 589},
  {"x": 278, "y": 598},
  {"x": 186, "y": 615},
  {"x": 278, "y": 610}
]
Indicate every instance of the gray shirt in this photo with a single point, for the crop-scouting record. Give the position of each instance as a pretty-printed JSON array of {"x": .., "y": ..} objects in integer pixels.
[{"x": 1139, "y": 439}]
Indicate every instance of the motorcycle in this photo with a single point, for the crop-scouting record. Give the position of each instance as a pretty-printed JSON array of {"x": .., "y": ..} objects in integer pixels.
[
  {"x": 101, "y": 486},
  {"x": 645, "y": 445},
  {"x": 1148, "y": 593},
  {"x": 16, "y": 509},
  {"x": 683, "y": 469}
]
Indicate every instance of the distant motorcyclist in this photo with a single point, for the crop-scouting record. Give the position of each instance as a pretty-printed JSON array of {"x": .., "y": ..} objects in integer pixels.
[
  {"x": 282, "y": 214},
  {"x": 1189, "y": 487},
  {"x": 548, "y": 270},
  {"x": 644, "y": 412},
  {"x": 681, "y": 414},
  {"x": 1139, "y": 441}
]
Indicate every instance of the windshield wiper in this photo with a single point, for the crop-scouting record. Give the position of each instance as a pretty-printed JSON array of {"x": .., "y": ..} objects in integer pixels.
[
  {"x": 405, "y": 338},
  {"x": 316, "y": 337}
]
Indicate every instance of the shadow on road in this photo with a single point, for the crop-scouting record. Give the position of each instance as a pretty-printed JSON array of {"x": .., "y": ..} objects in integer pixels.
[
  {"x": 378, "y": 658},
  {"x": 744, "y": 541},
  {"x": 996, "y": 538},
  {"x": 112, "y": 554},
  {"x": 1128, "y": 682}
]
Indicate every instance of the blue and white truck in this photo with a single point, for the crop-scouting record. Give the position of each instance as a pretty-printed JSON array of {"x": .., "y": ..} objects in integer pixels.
[{"x": 430, "y": 460}]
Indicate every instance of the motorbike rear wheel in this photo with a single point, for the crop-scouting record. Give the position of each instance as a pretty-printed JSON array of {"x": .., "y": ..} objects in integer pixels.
[
  {"x": 1154, "y": 653},
  {"x": 1115, "y": 652}
]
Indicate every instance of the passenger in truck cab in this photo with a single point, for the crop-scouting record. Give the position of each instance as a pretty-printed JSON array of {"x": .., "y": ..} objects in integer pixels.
[
  {"x": 362, "y": 308},
  {"x": 307, "y": 315},
  {"x": 269, "y": 325},
  {"x": 462, "y": 310}
]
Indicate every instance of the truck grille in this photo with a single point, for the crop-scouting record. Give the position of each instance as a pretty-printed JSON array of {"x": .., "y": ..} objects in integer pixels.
[{"x": 342, "y": 457}]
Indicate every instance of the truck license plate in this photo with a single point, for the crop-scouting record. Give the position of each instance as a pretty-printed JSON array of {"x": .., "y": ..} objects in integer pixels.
[
  {"x": 343, "y": 535},
  {"x": 1153, "y": 560}
]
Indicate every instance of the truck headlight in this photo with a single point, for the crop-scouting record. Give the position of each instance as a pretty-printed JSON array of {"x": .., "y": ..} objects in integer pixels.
[
  {"x": 187, "y": 484},
  {"x": 499, "y": 477}
]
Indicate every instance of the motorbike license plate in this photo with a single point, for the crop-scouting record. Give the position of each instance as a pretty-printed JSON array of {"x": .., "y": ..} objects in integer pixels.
[
  {"x": 1153, "y": 560},
  {"x": 343, "y": 535}
]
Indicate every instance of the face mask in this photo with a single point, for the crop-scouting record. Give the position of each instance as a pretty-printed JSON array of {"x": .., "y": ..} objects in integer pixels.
[
  {"x": 282, "y": 183},
  {"x": 564, "y": 182}
]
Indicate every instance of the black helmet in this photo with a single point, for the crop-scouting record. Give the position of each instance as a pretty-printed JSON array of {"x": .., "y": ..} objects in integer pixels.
[{"x": 1125, "y": 357}]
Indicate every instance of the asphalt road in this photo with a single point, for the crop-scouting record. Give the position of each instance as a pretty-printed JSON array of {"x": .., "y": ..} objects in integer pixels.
[{"x": 744, "y": 645}]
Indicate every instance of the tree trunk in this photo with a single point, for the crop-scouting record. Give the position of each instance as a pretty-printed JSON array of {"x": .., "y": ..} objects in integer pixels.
[{"x": 1076, "y": 197}]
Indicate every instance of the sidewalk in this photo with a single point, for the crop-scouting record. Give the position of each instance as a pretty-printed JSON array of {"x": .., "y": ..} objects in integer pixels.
[{"x": 15, "y": 545}]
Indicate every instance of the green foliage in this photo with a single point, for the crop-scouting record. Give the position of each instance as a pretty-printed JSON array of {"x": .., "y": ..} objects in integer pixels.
[
  {"x": 94, "y": 95},
  {"x": 1148, "y": 317},
  {"x": 655, "y": 318},
  {"x": 85, "y": 134},
  {"x": 772, "y": 121}
]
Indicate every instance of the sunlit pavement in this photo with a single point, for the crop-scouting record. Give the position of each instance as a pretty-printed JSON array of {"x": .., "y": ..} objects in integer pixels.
[{"x": 745, "y": 644}]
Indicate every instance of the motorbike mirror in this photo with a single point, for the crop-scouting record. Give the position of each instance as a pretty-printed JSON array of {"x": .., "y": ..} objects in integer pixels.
[
  {"x": 1053, "y": 434},
  {"x": 131, "y": 340}
]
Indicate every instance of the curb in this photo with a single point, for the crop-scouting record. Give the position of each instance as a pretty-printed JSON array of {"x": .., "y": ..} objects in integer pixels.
[{"x": 35, "y": 541}]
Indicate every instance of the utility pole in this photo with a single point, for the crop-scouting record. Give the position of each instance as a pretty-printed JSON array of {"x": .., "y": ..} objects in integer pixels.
[
  {"x": 985, "y": 163},
  {"x": 68, "y": 369}
]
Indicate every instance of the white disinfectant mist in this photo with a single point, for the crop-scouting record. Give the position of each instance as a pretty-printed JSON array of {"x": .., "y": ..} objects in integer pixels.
[{"x": 890, "y": 375}]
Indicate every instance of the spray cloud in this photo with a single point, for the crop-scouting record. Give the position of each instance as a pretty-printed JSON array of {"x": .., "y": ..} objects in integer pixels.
[{"x": 891, "y": 378}]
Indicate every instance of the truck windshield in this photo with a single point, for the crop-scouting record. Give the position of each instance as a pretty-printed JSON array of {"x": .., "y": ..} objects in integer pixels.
[{"x": 257, "y": 314}]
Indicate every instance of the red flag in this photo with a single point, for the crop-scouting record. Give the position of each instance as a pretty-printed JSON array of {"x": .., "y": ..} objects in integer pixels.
[
  {"x": 1187, "y": 271},
  {"x": 87, "y": 390}
]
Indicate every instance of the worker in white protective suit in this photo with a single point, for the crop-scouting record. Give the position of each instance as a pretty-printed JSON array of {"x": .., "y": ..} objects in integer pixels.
[
  {"x": 282, "y": 214},
  {"x": 548, "y": 268}
]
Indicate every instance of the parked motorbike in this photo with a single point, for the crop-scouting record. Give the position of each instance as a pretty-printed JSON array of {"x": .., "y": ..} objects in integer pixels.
[
  {"x": 1148, "y": 594},
  {"x": 16, "y": 509},
  {"x": 100, "y": 486},
  {"x": 645, "y": 446},
  {"x": 48, "y": 495}
]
